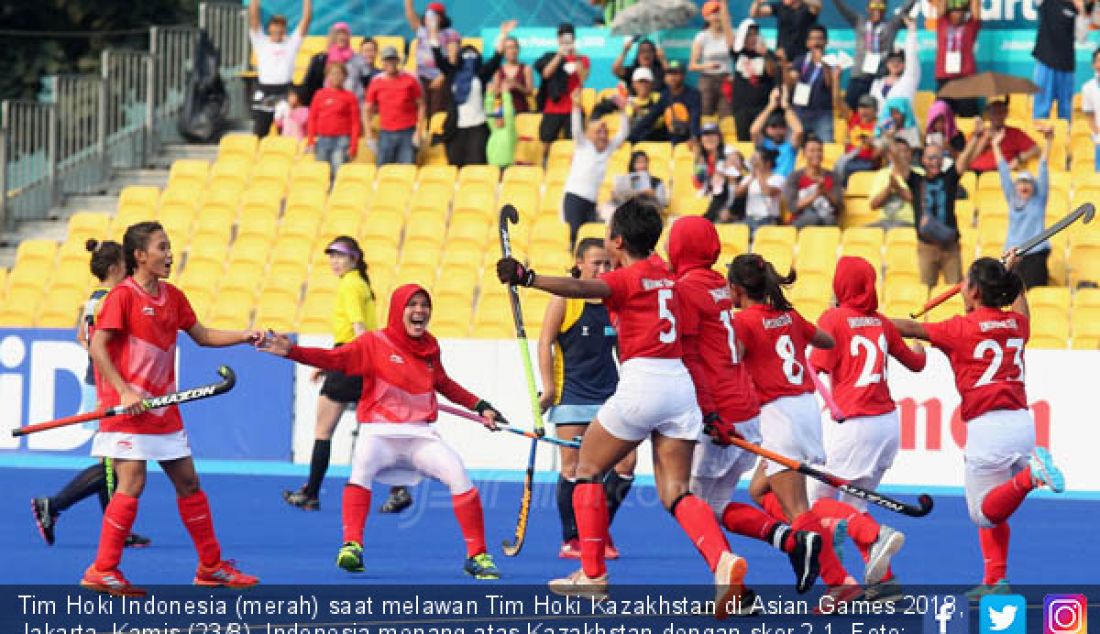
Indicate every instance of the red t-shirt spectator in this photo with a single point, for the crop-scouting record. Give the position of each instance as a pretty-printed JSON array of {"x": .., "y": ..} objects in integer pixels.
[
  {"x": 395, "y": 98},
  {"x": 857, "y": 130},
  {"x": 1015, "y": 143},
  {"x": 564, "y": 104},
  {"x": 956, "y": 38},
  {"x": 334, "y": 112}
]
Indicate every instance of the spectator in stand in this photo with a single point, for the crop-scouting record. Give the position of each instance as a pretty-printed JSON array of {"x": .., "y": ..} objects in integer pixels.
[
  {"x": 779, "y": 131},
  {"x": 890, "y": 189},
  {"x": 897, "y": 118},
  {"x": 643, "y": 109},
  {"x": 594, "y": 148},
  {"x": 875, "y": 37},
  {"x": 1027, "y": 209},
  {"x": 862, "y": 153},
  {"x": 563, "y": 73},
  {"x": 516, "y": 75},
  {"x": 275, "y": 55},
  {"x": 794, "y": 21},
  {"x": 1062, "y": 23},
  {"x": 901, "y": 79},
  {"x": 813, "y": 193},
  {"x": 682, "y": 104},
  {"x": 464, "y": 129},
  {"x": 334, "y": 120},
  {"x": 718, "y": 170},
  {"x": 639, "y": 182},
  {"x": 813, "y": 86},
  {"x": 755, "y": 71},
  {"x": 648, "y": 56},
  {"x": 433, "y": 26},
  {"x": 1018, "y": 148},
  {"x": 364, "y": 67},
  {"x": 291, "y": 117},
  {"x": 934, "y": 193},
  {"x": 762, "y": 189},
  {"x": 941, "y": 129},
  {"x": 501, "y": 112},
  {"x": 397, "y": 97},
  {"x": 710, "y": 57},
  {"x": 338, "y": 50},
  {"x": 1090, "y": 104},
  {"x": 956, "y": 35}
]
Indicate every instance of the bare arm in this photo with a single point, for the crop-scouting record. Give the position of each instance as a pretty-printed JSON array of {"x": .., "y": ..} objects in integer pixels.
[
  {"x": 618, "y": 66},
  {"x": 213, "y": 338},
  {"x": 107, "y": 370},
  {"x": 307, "y": 17},
  {"x": 941, "y": 8},
  {"x": 976, "y": 10},
  {"x": 970, "y": 152},
  {"x": 254, "y": 15},
  {"x": 368, "y": 118},
  {"x": 551, "y": 325},
  {"x": 761, "y": 10},
  {"x": 552, "y": 66},
  {"x": 1028, "y": 154},
  {"x": 571, "y": 287},
  {"x": 82, "y": 333},
  {"x": 879, "y": 198},
  {"x": 756, "y": 131},
  {"x": 911, "y": 329},
  {"x": 822, "y": 340},
  {"x": 410, "y": 15},
  {"x": 794, "y": 124},
  {"x": 727, "y": 24}
]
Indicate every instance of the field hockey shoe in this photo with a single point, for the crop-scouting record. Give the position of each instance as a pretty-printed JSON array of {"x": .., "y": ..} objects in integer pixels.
[
  {"x": 840, "y": 535},
  {"x": 1043, "y": 471},
  {"x": 729, "y": 584},
  {"x": 223, "y": 575},
  {"x": 350, "y": 557},
  {"x": 977, "y": 592},
  {"x": 481, "y": 567},
  {"x": 887, "y": 545},
  {"x": 884, "y": 591},
  {"x": 804, "y": 559},
  {"x": 570, "y": 549},
  {"x": 110, "y": 582},
  {"x": 580, "y": 584},
  {"x": 398, "y": 501},
  {"x": 44, "y": 518},
  {"x": 134, "y": 540},
  {"x": 302, "y": 500},
  {"x": 609, "y": 550}
]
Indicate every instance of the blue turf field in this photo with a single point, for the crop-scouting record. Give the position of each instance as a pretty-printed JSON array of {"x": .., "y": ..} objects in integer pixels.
[{"x": 1050, "y": 539}]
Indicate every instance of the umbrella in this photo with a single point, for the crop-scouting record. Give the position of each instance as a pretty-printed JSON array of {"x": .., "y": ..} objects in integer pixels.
[
  {"x": 650, "y": 16},
  {"x": 987, "y": 85}
]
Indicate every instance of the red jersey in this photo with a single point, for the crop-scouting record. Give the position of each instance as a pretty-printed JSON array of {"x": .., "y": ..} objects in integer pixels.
[
  {"x": 722, "y": 384},
  {"x": 334, "y": 112},
  {"x": 1015, "y": 143},
  {"x": 986, "y": 351},
  {"x": 644, "y": 310},
  {"x": 143, "y": 350},
  {"x": 395, "y": 99},
  {"x": 775, "y": 350}
]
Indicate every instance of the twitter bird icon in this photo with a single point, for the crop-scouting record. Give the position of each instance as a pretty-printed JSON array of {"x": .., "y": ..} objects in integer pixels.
[{"x": 1003, "y": 614}]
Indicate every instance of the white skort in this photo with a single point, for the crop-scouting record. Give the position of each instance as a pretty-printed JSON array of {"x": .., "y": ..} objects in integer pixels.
[{"x": 653, "y": 396}]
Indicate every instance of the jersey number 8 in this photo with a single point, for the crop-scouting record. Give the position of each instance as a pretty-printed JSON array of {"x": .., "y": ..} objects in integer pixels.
[{"x": 784, "y": 347}]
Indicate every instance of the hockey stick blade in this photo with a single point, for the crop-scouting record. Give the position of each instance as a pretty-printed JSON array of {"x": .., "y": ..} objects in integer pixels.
[
  {"x": 922, "y": 508},
  {"x": 512, "y": 548}
]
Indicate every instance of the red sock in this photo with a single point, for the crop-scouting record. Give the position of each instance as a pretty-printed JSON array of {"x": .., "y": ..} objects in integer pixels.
[
  {"x": 118, "y": 519},
  {"x": 862, "y": 528},
  {"x": 355, "y": 508},
  {"x": 1002, "y": 501},
  {"x": 747, "y": 520},
  {"x": 471, "y": 519},
  {"x": 770, "y": 503},
  {"x": 195, "y": 512},
  {"x": 590, "y": 508},
  {"x": 697, "y": 520},
  {"x": 832, "y": 571},
  {"x": 994, "y": 543}
]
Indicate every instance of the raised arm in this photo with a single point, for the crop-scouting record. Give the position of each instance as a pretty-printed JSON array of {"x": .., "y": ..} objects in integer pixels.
[
  {"x": 909, "y": 81},
  {"x": 910, "y": 329},
  {"x": 307, "y": 18},
  {"x": 913, "y": 358},
  {"x": 976, "y": 10},
  {"x": 846, "y": 12},
  {"x": 618, "y": 67},
  {"x": 971, "y": 151},
  {"x": 761, "y": 10},
  {"x": 254, "y": 23},
  {"x": 940, "y": 7},
  {"x": 794, "y": 124},
  {"x": 727, "y": 24},
  {"x": 756, "y": 131},
  {"x": 411, "y": 16},
  {"x": 1011, "y": 258}
]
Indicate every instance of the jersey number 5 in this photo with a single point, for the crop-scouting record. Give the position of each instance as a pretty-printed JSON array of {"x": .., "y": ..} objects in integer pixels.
[
  {"x": 664, "y": 296},
  {"x": 990, "y": 345},
  {"x": 873, "y": 369}
]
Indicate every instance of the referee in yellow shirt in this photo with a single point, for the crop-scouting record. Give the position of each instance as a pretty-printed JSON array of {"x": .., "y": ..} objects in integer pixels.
[{"x": 352, "y": 315}]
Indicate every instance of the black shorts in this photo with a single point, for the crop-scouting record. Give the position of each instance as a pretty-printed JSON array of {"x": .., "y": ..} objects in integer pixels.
[
  {"x": 552, "y": 126},
  {"x": 341, "y": 387}
]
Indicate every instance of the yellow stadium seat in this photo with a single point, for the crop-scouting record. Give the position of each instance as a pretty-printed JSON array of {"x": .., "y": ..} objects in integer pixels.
[
  {"x": 128, "y": 216},
  {"x": 1085, "y": 324},
  {"x": 306, "y": 198},
  {"x": 946, "y": 310},
  {"x": 522, "y": 174},
  {"x": 869, "y": 252},
  {"x": 260, "y": 223},
  {"x": 214, "y": 219},
  {"x": 30, "y": 274},
  {"x": 421, "y": 232},
  {"x": 777, "y": 253},
  {"x": 270, "y": 174},
  {"x": 228, "y": 194},
  {"x": 139, "y": 195},
  {"x": 60, "y": 308},
  {"x": 301, "y": 224},
  {"x": 391, "y": 194},
  {"x": 422, "y": 274},
  {"x": 349, "y": 200},
  {"x": 291, "y": 250},
  {"x": 337, "y": 222},
  {"x": 1051, "y": 298},
  {"x": 901, "y": 258},
  {"x": 43, "y": 251},
  {"x": 201, "y": 274},
  {"x": 552, "y": 261},
  {"x": 596, "y": 230},
  {"x": 232, "y": 310},
  {"x": 1084, "y": 265},
  {"x": 20, "y": 307},
  {"x": 242, "y": 276},
  {"x": 72, "y": 276},
  {"x": 192, "y": 172},
  {"x": 3, "y": 280},
  {"x": 523, "y": 197},
  {"x": 824, "y": 239},
  {"x": 277, "y": 309},
  {"x": 870, "y": 236},
  {"x": 463, "y": 258},
  {"x": 860, "y": 183},
  {"x": 357, "y": 173},
  {"x": 88, "y": 224},
  {"x": 288, "y": 274},
  {"x": 1050, "y": 321},
  {"x": 310, "y": 174},
  {"x": 895, "y": 276},
  {"x": 438, "y": 174},
  {"x": 473, "y": 232},
  {"x": 775, "y": 234},
  {"x": 209, "y": 246},
  {"x": 477, "y": 195},
  {"x": 403, "y": 175},
  {"x": 734, "y": 238},
  {"x": 315, "y": 316},
  {"x": 433, "y": 196},
  {"x": 70, "y": 252},
  {"x": 278, "y": 146},
  {"x": 1085, "y": 298},
  {"x": 182, "y": 194},
  {"x": 238, "y": 145},
  {"x": 230, "y": 172},
  {"x": 384, "y": 222},
  {"x": 488, "y": 175},
  {"x": 177, "y": 221},
  {"x": 550, "y": 234}
]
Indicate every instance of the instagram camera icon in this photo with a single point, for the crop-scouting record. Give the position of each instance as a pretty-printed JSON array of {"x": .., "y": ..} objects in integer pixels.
[{"x": 1065, "y": 614}]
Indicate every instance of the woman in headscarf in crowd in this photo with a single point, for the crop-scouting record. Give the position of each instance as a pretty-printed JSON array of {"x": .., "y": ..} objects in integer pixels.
[
  {"x": 338, "y": 50},
  {"x": 941, "y": 129}
]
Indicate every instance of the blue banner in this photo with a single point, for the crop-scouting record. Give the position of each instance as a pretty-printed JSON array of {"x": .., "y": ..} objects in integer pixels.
[{"x": 41, "y": 378}]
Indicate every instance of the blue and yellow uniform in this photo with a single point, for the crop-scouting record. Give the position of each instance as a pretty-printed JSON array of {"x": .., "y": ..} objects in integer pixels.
[
  {"x": 87, "y": 318},
  {"x": 354, "y": 304},
  {"x": 585, "y": 374}
]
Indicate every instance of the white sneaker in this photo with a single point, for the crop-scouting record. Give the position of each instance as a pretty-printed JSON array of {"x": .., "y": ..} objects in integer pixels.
[
  {"x": 887, "y": 545},
  {"x": 580, "y": 584},
  {"x": 729, "y": 584}
]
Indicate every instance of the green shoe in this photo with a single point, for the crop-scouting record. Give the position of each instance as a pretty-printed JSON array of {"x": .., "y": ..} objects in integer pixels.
[
  {"x": 481, "y": 567},
  {"x": 976, "y": 593},
  {"x": 350, "y": 557}
]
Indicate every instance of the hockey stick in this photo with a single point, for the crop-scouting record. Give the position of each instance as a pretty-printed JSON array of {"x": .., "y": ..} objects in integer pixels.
[
  {"x": 454, "y": 411},
  {"x": 924, "y": 506},
  {"x": 827, "y": 396},
  {"x": 1085, "y": 213},
  {"x": 508, "y": 214},
  {"x": 229, "y": 379}
]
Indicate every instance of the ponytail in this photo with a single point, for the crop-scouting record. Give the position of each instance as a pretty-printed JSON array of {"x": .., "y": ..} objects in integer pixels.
[
  {"x": 997, "y": 285},
  {"x": 762, "y": 283}
]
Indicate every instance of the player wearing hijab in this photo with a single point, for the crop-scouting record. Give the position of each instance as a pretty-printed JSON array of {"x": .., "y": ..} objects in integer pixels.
[{"x": 401, "y": 371}]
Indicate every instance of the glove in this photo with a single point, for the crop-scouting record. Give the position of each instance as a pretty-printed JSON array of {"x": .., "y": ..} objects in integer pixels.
[
  {"x": 483, "y": 407},
  {"x": 510, "y": 271},
  {"x": 721, "y": 432}
]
